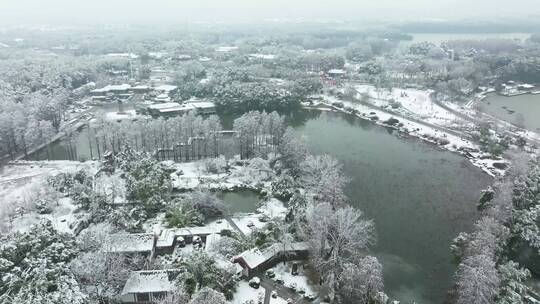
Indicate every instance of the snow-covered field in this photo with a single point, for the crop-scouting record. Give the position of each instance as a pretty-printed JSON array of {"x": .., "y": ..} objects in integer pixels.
[
  {"x": 245, "y": 293},
  {"x": 191, "y": 175},
  {"x": 412, "y": 102},
  {"x": 21, "y": 184}
]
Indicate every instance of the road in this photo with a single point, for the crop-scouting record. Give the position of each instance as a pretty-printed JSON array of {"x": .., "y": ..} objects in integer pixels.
[
  {"x": 418, "y": 121},
  {"x": 487, "y": 118}
]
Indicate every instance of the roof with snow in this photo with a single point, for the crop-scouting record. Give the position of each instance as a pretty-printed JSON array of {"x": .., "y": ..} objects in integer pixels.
[
  {"x": 255, "y": 257},
  {"x": 151, "y": 281},
  {"x": 337, "y": 71},
  {"x": 177, "y": 108},
  {"x": 166, "y": 88},
  {"x": 203, "y": 104},
  {"x": 225, "y": 49},
  {"x": 113, "y": 87},
  {"x": 131, "y": 242},
  {"x": 166, "y": 105},
  {"x": 263, "y": 56},
  {"x": 123, "y": 55}
]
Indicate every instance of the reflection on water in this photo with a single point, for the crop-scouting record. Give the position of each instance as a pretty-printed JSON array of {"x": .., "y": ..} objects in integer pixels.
[
  {"x": 419, "y": 197},
  {"x": 522, "y": 110},
  {"x": 240, "y": 201}
]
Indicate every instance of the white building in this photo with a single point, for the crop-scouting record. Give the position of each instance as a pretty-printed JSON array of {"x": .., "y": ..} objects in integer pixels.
[{"x": 148, "y": 286}]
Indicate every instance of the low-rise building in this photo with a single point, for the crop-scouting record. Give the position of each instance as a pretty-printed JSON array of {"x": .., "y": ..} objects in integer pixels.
[
  {"x": 149, "y": 286},
  {"x": 204, "y": 107},
  {"x": 166, "y": 89},
  {"x": 254, "y": 260},
  {"x": 167, "y": 108},
  {"x": 120, "y": 90},
  {"x": 140, "y": 89},
  {"x": 337, "y": 73}
]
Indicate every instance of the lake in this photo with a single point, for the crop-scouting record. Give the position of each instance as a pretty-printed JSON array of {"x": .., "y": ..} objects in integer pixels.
[
  {"x": 438, "y": 38},
  {"x": 241, "y": 201},
  {"x": 419, "y": 196},
  {"x": 522, "y": 109}
]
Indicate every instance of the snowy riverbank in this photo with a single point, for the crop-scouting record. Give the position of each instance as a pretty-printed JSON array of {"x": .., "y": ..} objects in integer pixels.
[{"x": 415, "y": 126}]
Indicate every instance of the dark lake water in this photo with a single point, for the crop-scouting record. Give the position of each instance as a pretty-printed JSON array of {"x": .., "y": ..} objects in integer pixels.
[
  {"x": 521, "y": 109},
  {"x": 241, "y": 201},
  {"x": 419, "y": 196}
]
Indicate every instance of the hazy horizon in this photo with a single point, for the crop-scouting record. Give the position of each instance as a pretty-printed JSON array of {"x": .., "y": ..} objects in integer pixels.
[{"x": 65, "y": 12}]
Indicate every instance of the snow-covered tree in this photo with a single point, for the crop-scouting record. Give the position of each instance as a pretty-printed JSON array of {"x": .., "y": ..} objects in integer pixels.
[
  {"x": 34, "y": 267},
  {"x": 361, "y": 282},
  {"x": 177, "y": 296},
  {"x": 526, "y": 204},
  {"x": 513, "y": 283},
  {"x": 200, "y": 271},
  {"x": 208, "y": 296},
  {"x": 336, "y": 238},
  {"x": 322, "y": 175},
  {"x": 477, "y": 280},
  {"x": 293, "y": 151}
]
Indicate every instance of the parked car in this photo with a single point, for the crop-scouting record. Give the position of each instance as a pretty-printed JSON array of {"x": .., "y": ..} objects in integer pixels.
[
  {"x": 270, "y": 273},
  {"x": 255, "y": 282}
]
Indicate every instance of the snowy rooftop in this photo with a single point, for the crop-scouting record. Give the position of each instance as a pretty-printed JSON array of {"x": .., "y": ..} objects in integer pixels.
[
  {"x": 203, "y": 104},
  {"x": 226, "y": 48},
  {"x": 255, "y": 257},
  {"x": 150, "y": 281},
  {"x": 189, "y": 231},
  {"x": 177, "y": 108},
  {"x": 119, "y": 87},
  {"x": 113, "y": 87},
  {"x": 136, "y": 242},
  {"x": 166, "y": 88},
  {"x": 263, "y": 56},
  {"x": 336, "y": 71},
  {"x": 123, "y": 55},
  {"x": 160, "y": 106}
]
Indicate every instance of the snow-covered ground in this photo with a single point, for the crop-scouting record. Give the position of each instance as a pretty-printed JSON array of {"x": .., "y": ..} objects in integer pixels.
[
  {"x": 248, "y": 222},
  {"x": 412, "y": 102},
  {"x": 273, "y": 208},
  {"x": 299, "y": 282},
  {"x": 191, "y": 175},
  {"x": 245, "y": 293},
  {"x": 21, "y": 185},
  {"x": 129, "y": 114}
]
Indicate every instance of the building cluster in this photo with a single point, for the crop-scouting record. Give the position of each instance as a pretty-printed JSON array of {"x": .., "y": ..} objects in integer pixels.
[
  {"x": 175, "y": 109},
  {"x": 511, "y": 88},
  {"x": 124, "y": 91},
  {"x": 150, "y": 285},
  {"x": 162, "y": 97}
]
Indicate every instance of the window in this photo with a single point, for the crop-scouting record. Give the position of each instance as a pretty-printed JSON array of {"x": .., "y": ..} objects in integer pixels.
[
  {"x": 158, "y": 295},
  {"x": 143, "y": 297}
]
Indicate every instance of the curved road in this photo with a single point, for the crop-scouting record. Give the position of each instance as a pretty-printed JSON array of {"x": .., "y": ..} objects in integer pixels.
[{"x": 487, "y": 118}]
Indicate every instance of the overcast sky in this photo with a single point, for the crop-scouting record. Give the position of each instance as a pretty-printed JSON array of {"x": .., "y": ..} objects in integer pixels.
[{"x": 178, "y": 11}]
